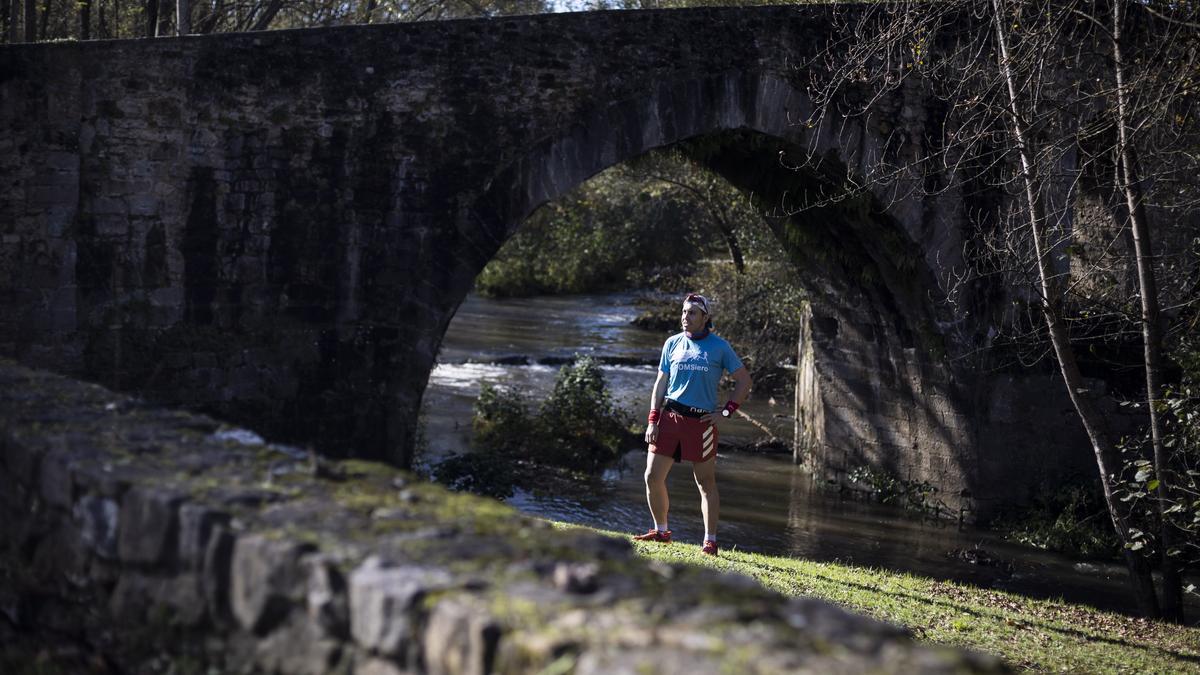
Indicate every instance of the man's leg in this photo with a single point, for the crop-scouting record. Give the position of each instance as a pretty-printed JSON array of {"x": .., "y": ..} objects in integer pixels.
[
  {"x": 657, "y": 468},
  {"x": 710, "y": 499}
]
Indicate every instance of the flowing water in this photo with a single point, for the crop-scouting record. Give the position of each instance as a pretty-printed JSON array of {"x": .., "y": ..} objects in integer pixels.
[{"x": 768, "y": 505}]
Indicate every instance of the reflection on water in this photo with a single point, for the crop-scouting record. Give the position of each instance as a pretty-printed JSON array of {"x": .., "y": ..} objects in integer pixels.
[{"x": 767, "y": 504}]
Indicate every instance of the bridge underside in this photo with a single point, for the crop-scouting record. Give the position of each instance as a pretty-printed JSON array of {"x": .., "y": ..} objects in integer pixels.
[{"x": 278, "y": 227}]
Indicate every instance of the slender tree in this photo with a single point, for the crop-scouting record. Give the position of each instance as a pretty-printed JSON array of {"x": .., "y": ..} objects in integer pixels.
[
  {"x": 1148, "y": 295},
  {"x": 30, "y": 20},
  {"x": 183, "y": 17},
  {"x": 152, "y": 18},
  {"x": 85, "y": 19}
]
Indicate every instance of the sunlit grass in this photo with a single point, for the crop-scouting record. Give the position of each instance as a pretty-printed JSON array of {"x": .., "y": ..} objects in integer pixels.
[{"x": 1030, "y": 634}]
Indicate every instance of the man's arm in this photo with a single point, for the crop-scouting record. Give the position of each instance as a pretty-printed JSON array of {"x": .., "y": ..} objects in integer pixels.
[
  {"x": 656, "y": 403},
  {"x": 741, "y": 385},
  {"x": 741, "y": 389}
]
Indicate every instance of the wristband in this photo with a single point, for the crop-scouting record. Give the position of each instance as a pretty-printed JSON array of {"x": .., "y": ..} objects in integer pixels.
[
  {"x": 731, "y": 406},
  {"x": 652, "y": 418}
]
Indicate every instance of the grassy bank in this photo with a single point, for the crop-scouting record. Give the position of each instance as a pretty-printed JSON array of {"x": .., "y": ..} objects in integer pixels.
[{"x": 1038, "y": 635}]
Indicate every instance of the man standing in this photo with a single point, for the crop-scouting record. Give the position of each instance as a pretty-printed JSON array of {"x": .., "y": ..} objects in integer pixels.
[{"x": 684, "y": 419}]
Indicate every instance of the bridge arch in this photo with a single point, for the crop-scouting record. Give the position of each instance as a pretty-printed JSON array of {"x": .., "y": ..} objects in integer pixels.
[{"x": 869, "y": 354}]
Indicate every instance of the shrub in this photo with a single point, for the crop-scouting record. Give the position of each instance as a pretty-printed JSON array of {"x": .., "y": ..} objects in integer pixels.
[
  {"x": 501, "y": 423},
  {"x": 483, "y": 473},
  {"x": 581, "y": 428},
  {"x": 1180, "y": 410},
  {"x": 1072, "y": 520},
  {"x": 576, "y": 428}
]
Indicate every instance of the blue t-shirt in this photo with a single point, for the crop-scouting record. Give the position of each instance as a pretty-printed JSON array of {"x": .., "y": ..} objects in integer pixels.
[{"x": 695, "y": 368}]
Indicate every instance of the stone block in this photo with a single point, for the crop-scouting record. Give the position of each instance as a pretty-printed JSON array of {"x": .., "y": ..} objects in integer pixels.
[
  {"x": 576, "y": 577},
  {"x": 150, "y": 525},
  {"x": 196, "y": 525},
  {"x": 60, "y": 551},
  {"x": 216, "y": 572},
  {"x": 298, "y": 647},
  {"x": 20, "y": 459},
  {"x": 142, "y": 597},
  {"x": 59, "y": 219},
  {"x": 460, "y": 638},
  {"x": 374, "y": 666},
  {"x": 108, "y": 206},
  {"x": 383, "y": 602},
  {"x": 111, "y": 225},
  {"x": 99, "y": 522},
  {"x": 267, "y": 580},
  {"x": 132, "y": 597},
  {"x": 328, "y": 604},
  {"x": 54, "y": 479},
  {"x": 183, "y": 595},
  {"x": 143, "y": 205}
]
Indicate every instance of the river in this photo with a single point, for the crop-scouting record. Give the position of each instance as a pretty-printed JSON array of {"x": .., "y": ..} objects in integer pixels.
[{"x": 768, "y": 505}]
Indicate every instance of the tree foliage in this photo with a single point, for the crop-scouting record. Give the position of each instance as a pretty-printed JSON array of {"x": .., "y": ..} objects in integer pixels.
[
  {"x": 1080, "y": 114},
  {"x": 646, "y": 222}
]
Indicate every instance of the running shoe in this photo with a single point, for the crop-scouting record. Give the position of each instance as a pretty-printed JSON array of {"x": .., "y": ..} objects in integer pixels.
[
  {"x": 709, "y": 548},
  {"x": 654, "y": 535}
]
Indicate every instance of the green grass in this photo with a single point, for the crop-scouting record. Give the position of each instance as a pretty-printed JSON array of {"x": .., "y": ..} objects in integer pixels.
[{"x": 1029, "y": 634}]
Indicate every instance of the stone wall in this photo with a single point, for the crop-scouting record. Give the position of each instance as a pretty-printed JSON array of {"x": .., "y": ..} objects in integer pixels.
[{"x": 143, "y": 537}]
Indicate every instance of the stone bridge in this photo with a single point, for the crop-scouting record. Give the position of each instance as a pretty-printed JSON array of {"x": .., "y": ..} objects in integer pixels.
[{"x": 277, "y": 227}]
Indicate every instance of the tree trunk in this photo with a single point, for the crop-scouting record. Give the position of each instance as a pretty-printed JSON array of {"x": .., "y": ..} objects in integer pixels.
[
  {"x": 151, "y": 17},
  {"x": 264, "y": 20},
  {"x": 1103, "y": 448},
  {"x": 183, "y": 17},
  {"x": 1152, "y": 339},
  {"x": 85, "y": 19},
  {"x": 163, "y": 28},
  {"x": 30, "y": 20}
]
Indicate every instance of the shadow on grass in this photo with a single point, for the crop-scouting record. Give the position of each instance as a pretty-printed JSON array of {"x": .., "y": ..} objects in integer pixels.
[{"x": 1150, "y": 650}]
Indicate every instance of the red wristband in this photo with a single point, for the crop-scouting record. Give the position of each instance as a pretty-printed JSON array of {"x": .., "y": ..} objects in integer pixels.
[
  {"x": 731, "y": 406},
  {"x": 652, "y": 418}
]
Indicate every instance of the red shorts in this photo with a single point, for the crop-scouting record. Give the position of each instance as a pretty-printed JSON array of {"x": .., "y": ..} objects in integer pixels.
[{"x": 685, "y": 438}]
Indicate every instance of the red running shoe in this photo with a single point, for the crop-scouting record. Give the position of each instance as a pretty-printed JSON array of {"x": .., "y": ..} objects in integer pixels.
[
  {"x": 654, "y": 535},
  {"x": 709, "y": 548}
]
